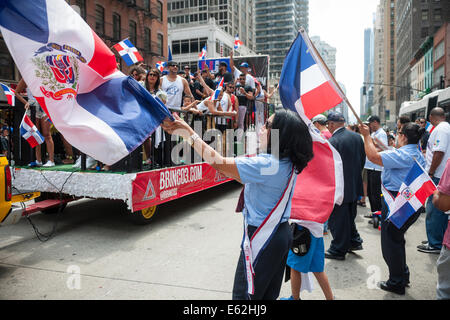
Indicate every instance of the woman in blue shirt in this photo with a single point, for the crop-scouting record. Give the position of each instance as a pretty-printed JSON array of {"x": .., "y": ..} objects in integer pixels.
[
  {"x": 396, "y": 165},
  {"x": 268, "y": 177}
]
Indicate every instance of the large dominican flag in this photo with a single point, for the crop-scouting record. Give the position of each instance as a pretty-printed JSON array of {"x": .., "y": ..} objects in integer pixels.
[
  {"x": 314, "y": 89},
  {"x": 9, "y": 93},
  {"x": 128, "y": 52},
  {"x": 74, "y": 77},
  {"x": 304, "y": 88},
  {"x": 30, "y": 133},
  {"x": 412, "y": 195}
]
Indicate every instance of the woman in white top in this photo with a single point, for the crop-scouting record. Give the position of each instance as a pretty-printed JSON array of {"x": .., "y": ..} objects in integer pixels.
[{"x": 41, "y": 124}]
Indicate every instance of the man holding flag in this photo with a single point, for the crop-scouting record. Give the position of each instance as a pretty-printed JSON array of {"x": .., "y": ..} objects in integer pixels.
[{"x": 405, "y": 188}]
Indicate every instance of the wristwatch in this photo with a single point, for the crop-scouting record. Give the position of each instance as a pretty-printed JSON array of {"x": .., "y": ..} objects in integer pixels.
[{"x": 191, "y": 139}]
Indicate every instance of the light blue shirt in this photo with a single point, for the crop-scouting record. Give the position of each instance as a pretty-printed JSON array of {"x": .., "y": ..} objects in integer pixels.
[
  {"x": 397, "y": 163},
  {"x": 265, "y": 178}
]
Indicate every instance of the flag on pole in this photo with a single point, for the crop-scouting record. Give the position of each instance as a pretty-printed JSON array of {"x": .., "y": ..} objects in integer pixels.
[
  {"x": 170, "y": 55},
  {"x": 128, "y": 52},
  {"x": 9, "y": 93},
  {"x": 97, "y": 109},
  {"x": 202, "y": 55},
  {"x": 160, "y": 65},
  {"x": 237, "y": 42},
  {"x": 312, "y": 90},
  {"x": 412, "y": 195},
  {"x": 304, "y": 89},
  {"x": 30, "y": 133}
]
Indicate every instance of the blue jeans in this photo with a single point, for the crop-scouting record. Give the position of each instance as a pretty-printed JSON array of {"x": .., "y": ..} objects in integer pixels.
[{"x": 436, "y": 222}]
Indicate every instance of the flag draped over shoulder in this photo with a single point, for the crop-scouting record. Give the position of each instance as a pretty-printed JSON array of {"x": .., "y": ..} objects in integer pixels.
[
  {"x": 74, "y": 77},
  {"x": 412, "y": 195},
  {"x": 306, "y": 88}
]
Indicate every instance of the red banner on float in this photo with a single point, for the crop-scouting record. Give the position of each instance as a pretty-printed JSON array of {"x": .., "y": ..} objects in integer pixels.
[{"x": 155, "y": 187}]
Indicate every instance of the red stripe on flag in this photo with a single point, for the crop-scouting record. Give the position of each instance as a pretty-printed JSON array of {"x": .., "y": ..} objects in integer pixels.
[
  {"x": 138, "y": 56},
  {"x": 118, "y": 47},
  {"x": 425, "y": 191},
  {"x": 321, "y": 99},
  {"x": 103, "y": 61},
  {"x": 316, "y": 181},
  {"x": 32, "y": 141}
]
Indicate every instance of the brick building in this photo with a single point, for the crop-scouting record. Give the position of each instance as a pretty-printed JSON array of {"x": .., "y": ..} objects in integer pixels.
[
  {"x": 441, "y": 49},
  {"x": 144, "y": 22}
]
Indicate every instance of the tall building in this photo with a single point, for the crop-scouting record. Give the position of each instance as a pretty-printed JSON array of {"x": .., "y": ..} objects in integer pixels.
[
  {"x": 415, "y": 21},
  {"x": 277, "y": 25},
  {"x": 367, "y": 92},
  {"x": 327, "y": 52},
  {"x": 233, "y": 16}
]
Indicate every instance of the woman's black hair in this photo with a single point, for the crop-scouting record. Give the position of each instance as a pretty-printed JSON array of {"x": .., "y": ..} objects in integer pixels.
[
  {"x": 295, "y": 142},
  {"x": 413, "y": 132},
  {"x": 158, "y": 81}
]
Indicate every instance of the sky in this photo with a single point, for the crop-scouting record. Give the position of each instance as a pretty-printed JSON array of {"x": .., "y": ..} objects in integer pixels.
[{"x": 341, "y": 24}]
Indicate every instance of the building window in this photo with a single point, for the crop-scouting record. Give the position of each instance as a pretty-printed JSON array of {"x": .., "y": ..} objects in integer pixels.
[
  {"x": 147, "y": 5},
  {"x": 439, "y": 51},
  {"x": 116, "y": 27},
  {"x": 99, "y": 20},
  {"x": 82, "y": 5},
  {"x": 425, "y": 15},
  {"x": 147, "y": 40},
  {"x": 160, "y": 45},
  {"x": 159, "y": 10},
  {"x": 133, "y": 32}
]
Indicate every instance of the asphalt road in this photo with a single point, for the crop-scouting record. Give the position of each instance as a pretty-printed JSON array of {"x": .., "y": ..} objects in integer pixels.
[{"x": 188, "y": 252}]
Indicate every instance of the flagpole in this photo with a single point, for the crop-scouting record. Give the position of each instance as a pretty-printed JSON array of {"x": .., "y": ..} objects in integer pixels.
[{"x": 341, "y": 92}]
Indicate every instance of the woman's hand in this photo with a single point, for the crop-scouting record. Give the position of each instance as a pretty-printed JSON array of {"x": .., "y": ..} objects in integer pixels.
[
  {"x": 365, "y": 131},
  {"x": 27, "y": 106},
  {"x": 178, "y": 127}
]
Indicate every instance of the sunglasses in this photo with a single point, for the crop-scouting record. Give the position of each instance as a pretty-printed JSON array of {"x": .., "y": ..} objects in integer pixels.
[{"x": 152, "y": 75}]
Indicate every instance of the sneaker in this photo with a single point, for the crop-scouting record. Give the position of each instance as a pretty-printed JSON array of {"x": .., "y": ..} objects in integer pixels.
[
  {"x": 90, "y": 162},
  {"x": 290, "y": 298},
  {"x": 428, "y": 249},
  {"x": 49, "y": 164},
  {"x": 35, "y": 164}
]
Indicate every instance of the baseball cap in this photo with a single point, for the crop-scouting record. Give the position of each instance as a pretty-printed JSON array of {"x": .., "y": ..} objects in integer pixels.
[
  {"x": 373, "y": 119},
  {"x": 335, "y": 117},
  {"x": 320, "y": 119},
  {"x": 244, "y": 65}
]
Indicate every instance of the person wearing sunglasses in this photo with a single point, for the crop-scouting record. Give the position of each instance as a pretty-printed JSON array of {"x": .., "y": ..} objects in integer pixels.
[
  {"x": 396, "y": 165},
  {"x": 272, "y": 174}
]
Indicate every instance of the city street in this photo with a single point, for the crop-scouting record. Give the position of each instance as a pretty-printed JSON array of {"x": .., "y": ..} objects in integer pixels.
[{"x": 188, "y": 252}]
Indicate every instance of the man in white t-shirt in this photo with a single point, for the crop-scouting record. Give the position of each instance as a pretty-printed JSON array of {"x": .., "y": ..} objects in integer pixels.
[
  {"x": 174, "y": 85},
  {"x": 374, "y": 171},
  {"x": 438, "y": 151}
]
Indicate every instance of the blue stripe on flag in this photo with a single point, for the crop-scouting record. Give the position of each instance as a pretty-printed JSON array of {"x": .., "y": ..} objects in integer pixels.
[
  {"x": 402, "y": 215},
  {"x": 128, "y": 43},
  {"x": 127, "y": 59},
  {"x": 25, "y": 17},
  {"x": 297, "y": 60},
  {"x": 413, "y": 174},
  {"x": 127, "y": 108}
]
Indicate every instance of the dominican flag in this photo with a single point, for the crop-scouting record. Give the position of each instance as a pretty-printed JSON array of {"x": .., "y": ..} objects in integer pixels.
[
  {"x": 237, "y": 42},
  {"x": 30, "y": 133},
  {"x": 202, "y": 55},
  {"x": 9, "y": 93},
  {"x": 74, "y": 77},
  {"x": 412, "y": 195},
  {"x": 161, "y": 65},
  {"x": 217, "y": 92},
  {"x": 305, "y": 89},
  {"x": 170, "y": 55},
  {"x": 128, "y": 52}
]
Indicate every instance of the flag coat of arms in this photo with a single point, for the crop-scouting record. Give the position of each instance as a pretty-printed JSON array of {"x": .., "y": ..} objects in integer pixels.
[
  {"x": 306, "y": 89},
  {"x": 73, "y": 75},
  {"x": 128, "y": 52},
  {"x": 9, "y": 93},
  {"x": 412, "y": 195},
  {"x": 237, "y": 42},
  {"x": 30, "y": 133},
  {"x": 160, "y": 65}
]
